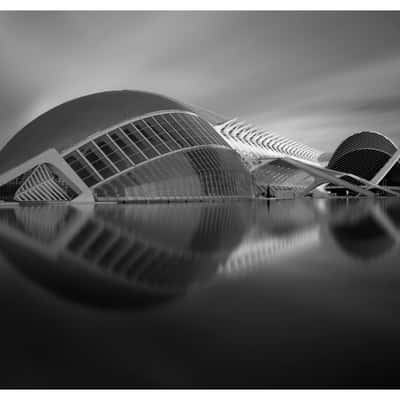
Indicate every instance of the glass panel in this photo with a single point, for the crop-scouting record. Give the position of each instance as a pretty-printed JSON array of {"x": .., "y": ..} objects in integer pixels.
[
  {"x": 162, "y": 133},
  {"x": 184, "y": 131},
  {"x": 139, "y": 141},
  {"x": 210, "y": 130},
  {"x": 197, "y": 136},
  {"x": 82, "y": 169},
  {"x": 130, "y": 149},
  {"x": 100, "y": 164},
  {"x": 171, "y": 126},
  {"x": 198, "y": 172},
  {"x": 151, "y": 136},
  {"x": 113, "y": 153}
]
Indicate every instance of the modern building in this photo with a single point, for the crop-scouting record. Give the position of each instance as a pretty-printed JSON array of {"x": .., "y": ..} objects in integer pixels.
[
  {"x": 262, "y": 152},
  {"x": 256, "y": 145},
  {"x": 369, "y": 155},
  {"x": 139, "y": 146},
  {"x": 121, "y": 145}
]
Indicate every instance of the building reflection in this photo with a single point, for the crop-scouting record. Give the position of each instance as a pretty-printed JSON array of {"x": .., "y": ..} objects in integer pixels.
[
  {"x": 150, "y": 251},
  {"x": 279, "y": 232},
  {"x": 365, "y": 230},
  {"x": 145, "y": 253}
]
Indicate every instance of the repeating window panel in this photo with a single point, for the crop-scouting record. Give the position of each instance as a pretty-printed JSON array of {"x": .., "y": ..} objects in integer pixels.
[
  {"x": 169, "y": 125},
  {"x": 135, "y": 135},
  {"x": 82, "y": 169},
  {"x": 134, "y": 143},
  {"x": 183, "y": 122},
  {"x": 147, "y": 131},
  {"x": 162, "y": 133},
  {"x": 185, "y": 133},
  {"x": 113, "y": 153},
  {"x": 127, "y": 146},
  {"x": 207, "y": 135},
  {"x": 210, "y": 131},
  {"x": 197, "y": 172},
  {"x": 97, "y": 160}
]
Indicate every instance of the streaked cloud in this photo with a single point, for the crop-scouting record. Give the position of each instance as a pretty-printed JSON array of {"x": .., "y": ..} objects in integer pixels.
[{"x": 315, "y": 77}]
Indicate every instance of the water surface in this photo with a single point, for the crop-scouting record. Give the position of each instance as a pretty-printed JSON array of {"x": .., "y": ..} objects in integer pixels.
[{"x": 300, "y": 293}]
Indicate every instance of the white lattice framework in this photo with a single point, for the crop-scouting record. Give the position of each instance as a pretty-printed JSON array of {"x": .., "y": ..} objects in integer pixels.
[
  {"x": 255, "y": 144},
  {"x": 41, "y": 185}
]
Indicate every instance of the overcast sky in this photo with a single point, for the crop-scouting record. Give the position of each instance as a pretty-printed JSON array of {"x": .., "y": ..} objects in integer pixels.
[{"x": 315, "y": 77}]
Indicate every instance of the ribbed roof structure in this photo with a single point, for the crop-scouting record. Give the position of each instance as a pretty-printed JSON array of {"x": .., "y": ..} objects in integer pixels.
[{"x": 73, "y": 121}]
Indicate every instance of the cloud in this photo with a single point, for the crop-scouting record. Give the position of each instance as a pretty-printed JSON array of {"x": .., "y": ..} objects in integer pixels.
[{"x": 314, "y": 77}]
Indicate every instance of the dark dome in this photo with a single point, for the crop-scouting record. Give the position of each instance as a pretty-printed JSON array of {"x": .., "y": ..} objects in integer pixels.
[
  {"x": 362, "y": 154},
  {"x": 73, "y": 121}
]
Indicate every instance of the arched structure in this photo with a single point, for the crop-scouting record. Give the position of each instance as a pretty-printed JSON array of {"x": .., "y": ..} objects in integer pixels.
[
  {"x": 257, "y": 145},
  {"x": 120, "y": 145},
  {"x": 364, "y": 154},
  {"x": 139, "y": 146}
]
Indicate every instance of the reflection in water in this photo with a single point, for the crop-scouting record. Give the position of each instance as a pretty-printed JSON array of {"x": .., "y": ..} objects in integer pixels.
[
  {"x": 138, "y": 254},
  {"x": 149, "y": 251},
  {"x": 366, "y": 230}
]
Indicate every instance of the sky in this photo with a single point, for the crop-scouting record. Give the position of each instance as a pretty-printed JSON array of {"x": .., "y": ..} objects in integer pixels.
[{"x": 311, "y": 76}]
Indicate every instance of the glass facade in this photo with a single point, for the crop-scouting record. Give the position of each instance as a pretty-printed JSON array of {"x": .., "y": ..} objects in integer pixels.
[
  {"x": 133, "y": 143},
  {"x": 279, "y": 173},
  {"x": 194, "y": 173},
  {"x": 166, "y": 155},
  {"x": 278, "y": 179},
  {"x": 86, "y": 173}
]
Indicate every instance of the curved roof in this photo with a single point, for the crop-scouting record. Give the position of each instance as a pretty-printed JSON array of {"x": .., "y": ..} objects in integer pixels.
[
  {"x": 363, "y": 154},
  {"x": 361, "y": 141},
  {"x": 68, "y": 123}
]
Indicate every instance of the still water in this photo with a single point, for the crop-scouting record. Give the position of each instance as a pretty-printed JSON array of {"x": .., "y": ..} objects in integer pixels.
[{"x": 287, "y": 293}]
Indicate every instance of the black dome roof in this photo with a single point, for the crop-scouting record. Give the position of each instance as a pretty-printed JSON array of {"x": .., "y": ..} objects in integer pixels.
[
  {"x": 362, "y": 154},
  {"x": 73, "y": 121}
]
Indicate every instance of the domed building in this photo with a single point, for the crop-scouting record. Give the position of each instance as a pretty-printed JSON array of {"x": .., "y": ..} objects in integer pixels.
[
  {"x": 368, "y": 155},
  {"x": 363, "y": 154},
  {"x": 121, "y": 146}
]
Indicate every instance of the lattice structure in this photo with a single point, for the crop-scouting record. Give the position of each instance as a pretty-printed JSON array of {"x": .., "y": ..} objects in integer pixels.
[
  {"x": 255, "y": 144},
  {"x": 131, "y": 144},
  {"x": 44, "y": 185},
  {"x": 363, "y": 154}
]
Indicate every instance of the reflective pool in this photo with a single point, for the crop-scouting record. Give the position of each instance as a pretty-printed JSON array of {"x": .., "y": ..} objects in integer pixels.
[{"x": 291, "y": 293}]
